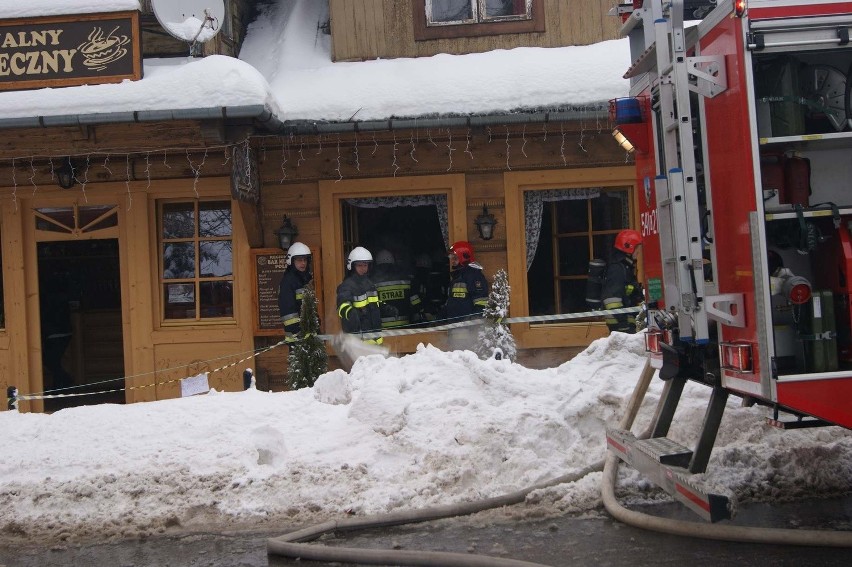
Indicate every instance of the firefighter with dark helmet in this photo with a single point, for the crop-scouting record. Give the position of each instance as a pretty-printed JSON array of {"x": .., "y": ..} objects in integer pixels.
[
  {"x": 398, "y": 302},
  {"x": 357, "y": 298},
  {"x": 297, "y": 276},
  {"x": 467, "y": 294},
  {"x": 621, "y": 288}
]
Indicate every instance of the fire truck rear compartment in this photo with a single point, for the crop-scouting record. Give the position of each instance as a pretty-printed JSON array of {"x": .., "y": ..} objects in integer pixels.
[{"x": 802, "y": 103}]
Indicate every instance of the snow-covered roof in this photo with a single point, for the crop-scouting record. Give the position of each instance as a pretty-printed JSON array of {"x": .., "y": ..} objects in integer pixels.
[{"x": 285, "y": 67}]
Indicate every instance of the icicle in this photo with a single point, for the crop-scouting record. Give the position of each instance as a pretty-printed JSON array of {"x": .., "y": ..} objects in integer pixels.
[
  {"x": 127, "y": 182},
  {"x": 413, "y": 149},
  {"x": 32, "y": 176},
  {"x": 85, "y": 178},
  {"x": 15, "y": 186},
  {"x": 508, "y": 148},
  {"x": 450, "y": 148},
  {"x": 339, "y": 173},
  {"x": 355, "y": 151},
  {"x": 283, "y": 162},
  {"x": 394, "y": 164},
  {"x": 196, "y": 170}
]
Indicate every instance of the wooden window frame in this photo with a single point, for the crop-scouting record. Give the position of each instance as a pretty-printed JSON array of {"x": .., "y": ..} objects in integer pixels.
[
  {"x": 589, "y": 233},
  {"x": 515, "y": 184},
  {"x": 197, "y": 279},
  {"x": 424, "y": 32}
]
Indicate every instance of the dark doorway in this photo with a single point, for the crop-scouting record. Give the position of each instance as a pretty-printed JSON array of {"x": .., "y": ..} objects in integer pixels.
[
  {"x": 81, "y": 331},
  {"x": 404, "y": 231},
  {"x": 414, "y": 238}
]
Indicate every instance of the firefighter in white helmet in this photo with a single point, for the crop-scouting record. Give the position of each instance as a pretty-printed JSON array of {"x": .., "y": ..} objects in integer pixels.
[
  {"x": 297, "y": 276},
  {"x": 357, "y": 298}
]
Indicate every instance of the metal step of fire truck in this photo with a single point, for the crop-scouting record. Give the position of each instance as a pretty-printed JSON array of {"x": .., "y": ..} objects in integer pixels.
[{"x": 670, "y": 465}]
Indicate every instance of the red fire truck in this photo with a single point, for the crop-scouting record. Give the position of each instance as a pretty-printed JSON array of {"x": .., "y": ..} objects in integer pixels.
[{"x": 739, "y": 120}]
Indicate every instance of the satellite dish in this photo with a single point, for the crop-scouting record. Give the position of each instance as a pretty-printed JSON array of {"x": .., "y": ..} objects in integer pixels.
[{"x": 193, "y": 21}]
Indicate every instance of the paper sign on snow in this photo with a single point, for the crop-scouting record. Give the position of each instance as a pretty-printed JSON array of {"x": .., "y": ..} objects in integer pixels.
[{"x": 194, "y": 385}]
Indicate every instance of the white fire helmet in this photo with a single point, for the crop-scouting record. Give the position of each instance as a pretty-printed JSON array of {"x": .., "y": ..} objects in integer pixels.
[
  {"x": 358, "y": 254},
  {"x": 296, "y": 249},
  {"x": 384, "y": 257}
]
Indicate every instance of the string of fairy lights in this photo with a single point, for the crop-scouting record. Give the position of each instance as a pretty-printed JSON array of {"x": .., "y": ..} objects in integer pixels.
[{"x": 83, "y": 163}]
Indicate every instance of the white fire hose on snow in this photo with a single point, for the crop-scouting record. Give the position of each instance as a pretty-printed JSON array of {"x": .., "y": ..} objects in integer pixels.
[{"x": 293, "y": 544}]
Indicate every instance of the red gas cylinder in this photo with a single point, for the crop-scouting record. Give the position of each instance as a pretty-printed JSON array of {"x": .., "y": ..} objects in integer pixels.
[{"x": 797, "y": 181}]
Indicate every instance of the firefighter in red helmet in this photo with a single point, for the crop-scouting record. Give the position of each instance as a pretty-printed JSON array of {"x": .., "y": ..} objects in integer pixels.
[
  {"x": 467, "y": 294},
  {"x": 621, "y": 287}
]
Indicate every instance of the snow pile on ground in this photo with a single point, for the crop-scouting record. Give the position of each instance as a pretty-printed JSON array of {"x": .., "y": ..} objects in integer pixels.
[{"x": 426, "y": 429}]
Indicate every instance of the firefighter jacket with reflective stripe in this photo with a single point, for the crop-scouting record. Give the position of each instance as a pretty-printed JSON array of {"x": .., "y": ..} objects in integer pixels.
[
  {"x": 358, "y": 305},
  {"x": 621, "y": 289},
  {"x": 290, "y": 294},
  {"x": 468, "y": 292},
  {"x": 398, "y": 303}
]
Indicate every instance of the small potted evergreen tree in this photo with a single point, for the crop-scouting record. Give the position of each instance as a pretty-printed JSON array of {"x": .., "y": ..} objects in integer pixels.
[
  {"x": 307, "y": 359},
  {"x": 495, "y": 338}
]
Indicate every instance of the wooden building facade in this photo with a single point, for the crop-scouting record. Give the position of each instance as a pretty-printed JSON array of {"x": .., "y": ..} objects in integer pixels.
[
  {"x": 371, "y": 29},
  {"x": 149, "y": 232}
]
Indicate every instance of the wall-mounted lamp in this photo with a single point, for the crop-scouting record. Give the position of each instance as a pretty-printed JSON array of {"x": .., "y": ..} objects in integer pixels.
[
  {"x": 286, "y": 233},
  {"x": 485, "y": 224},
  {"x": 66, "y": 174}
]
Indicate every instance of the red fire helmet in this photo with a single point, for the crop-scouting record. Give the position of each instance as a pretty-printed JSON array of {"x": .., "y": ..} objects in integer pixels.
[
  {"x": 463, "y": 251},
  {"x": 628, "y": 240}
]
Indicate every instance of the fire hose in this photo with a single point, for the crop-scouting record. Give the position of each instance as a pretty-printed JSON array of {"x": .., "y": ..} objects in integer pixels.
[{"x": 294, "y": 544}]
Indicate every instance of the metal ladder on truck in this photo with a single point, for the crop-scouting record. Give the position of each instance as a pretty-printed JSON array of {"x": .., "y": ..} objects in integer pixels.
[{"x": 662, "y": 460}]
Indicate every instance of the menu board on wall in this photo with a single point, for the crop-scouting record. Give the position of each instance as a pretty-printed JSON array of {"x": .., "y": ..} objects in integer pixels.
[{"x": 268, "y": 265}]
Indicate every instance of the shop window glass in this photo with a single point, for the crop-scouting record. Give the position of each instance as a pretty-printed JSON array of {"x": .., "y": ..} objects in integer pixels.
[
  {"x": 573, "y": 230},
  {"x": 196, "y": 260}
]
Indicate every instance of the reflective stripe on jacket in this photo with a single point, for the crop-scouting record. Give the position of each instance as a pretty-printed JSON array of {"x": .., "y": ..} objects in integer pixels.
[{"x": 358, "y": 305}]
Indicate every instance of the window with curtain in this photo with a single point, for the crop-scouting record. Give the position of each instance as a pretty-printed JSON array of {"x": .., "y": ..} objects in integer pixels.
[
  {"x": 196, "y": 259},
  {"x": 564, "y": 230},
  {"x": 413, "y": 229},
  {"x": 469, "y": 18},
  {"x": 443, "y": 12}
]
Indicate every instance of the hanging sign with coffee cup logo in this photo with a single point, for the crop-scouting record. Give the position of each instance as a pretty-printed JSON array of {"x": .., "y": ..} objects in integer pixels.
[{"x": 69, "y": 50}]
